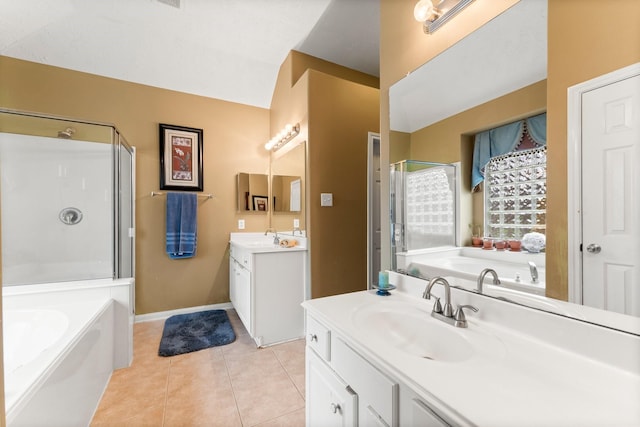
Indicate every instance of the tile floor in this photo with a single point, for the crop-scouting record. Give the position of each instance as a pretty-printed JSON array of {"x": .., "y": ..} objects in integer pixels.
[{"x": 232, "y": 385}]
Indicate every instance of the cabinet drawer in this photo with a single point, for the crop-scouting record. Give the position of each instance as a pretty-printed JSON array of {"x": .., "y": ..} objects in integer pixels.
[
  {"x": 376, "y": 392},
  {"x": 319, "y": 338},
  {"x": 241, "y": 255}
]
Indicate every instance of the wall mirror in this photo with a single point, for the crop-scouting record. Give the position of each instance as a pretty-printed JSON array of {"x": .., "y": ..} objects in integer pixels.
[
  {"x": 286, "y": 193},
  {"x": 485, "y": 65},
  {"x": 252, "y": 192},
  {"x": 288, "y": 186}
]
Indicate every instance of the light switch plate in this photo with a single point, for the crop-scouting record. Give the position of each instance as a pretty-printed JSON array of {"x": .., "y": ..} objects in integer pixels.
[
  {"x": 241, "y": 224},
  {"x": 326, "y": 199}
]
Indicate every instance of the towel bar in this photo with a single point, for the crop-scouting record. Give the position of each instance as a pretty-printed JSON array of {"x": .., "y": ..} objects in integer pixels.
[{"x": 157, "y": 193}]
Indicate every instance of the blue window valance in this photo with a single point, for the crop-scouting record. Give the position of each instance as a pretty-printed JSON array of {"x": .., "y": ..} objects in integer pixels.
[{"x": 503, "y": 140}]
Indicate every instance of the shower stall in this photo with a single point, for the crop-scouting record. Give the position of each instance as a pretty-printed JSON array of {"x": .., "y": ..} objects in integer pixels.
[
  {"x": 67, "y": 220},
  {"x": 424, "y": 200},
  {"x": 67, "y": 200}
]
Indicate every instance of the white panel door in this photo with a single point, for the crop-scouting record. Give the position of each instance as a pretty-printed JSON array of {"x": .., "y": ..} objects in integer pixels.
[{"x": 611, "y": 197}]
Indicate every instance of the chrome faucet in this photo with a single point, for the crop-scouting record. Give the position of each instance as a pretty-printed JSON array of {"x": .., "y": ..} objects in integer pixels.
[
  {"x": 534, "y": 272},
  {"x": 276, "y": 239},
  {"x": 447, "y": 311},
  {"x": 483, "y": 273},
  {"x": 296, "y": 229}
]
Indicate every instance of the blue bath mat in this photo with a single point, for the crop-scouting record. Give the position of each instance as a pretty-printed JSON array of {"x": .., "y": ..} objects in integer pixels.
[{"x": 184, "y": 333}]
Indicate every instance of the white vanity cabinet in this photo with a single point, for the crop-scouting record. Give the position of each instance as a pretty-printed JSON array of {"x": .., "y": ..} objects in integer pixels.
[
  {"x": 266, "y": 287},
  {"x": 346, "y": 389}
]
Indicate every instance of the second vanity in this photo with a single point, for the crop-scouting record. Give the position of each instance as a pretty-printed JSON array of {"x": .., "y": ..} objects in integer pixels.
[
  {"x": 267, "y": 284},
  {"x": 385, "y": 361}
]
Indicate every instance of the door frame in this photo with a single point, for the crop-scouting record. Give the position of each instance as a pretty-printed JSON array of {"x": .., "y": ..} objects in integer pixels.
[
  {"x": 574, "y": 171},
  {"x": 371, "y": 213}
]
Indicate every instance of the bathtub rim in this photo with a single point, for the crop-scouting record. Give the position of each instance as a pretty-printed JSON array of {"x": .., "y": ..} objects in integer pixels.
[
  {"x": 430, "y": 260},
  {"x": 38, "y": 288},
  {"x": 14, "y": 404}
]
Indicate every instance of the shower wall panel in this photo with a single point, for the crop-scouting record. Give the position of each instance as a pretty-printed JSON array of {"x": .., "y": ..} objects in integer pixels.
[{"x": 57, "y": 209}]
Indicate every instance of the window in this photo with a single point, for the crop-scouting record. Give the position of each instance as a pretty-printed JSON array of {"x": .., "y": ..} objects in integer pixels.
[{"x": 515, "y": 199}]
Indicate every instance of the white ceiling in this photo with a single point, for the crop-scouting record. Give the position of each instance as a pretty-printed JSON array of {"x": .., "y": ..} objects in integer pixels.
[
  {"x": 506, "y": 54},
  {"x": 224, "y": 49}
]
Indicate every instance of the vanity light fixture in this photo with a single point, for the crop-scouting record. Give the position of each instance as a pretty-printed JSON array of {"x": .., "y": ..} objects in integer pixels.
[
  {"x": 284, "y": 136},
  {"x": 433, "y": 17}
]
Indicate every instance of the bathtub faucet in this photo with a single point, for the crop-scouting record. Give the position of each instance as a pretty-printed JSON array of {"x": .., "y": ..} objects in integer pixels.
[
  {"x": 534, "y": 272},
  {"x": 483, "y": 273}
]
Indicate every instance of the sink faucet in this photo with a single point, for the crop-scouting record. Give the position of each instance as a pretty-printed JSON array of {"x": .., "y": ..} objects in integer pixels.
[
  {"x": 446, "y": 314},
  {"x": 296, "y": 229},
  {"x": 447, "y": 311},
  {"x": 276, "y": 239},
  {"x": 534, "y": 272},
  {"x": 483, "y": 273}
]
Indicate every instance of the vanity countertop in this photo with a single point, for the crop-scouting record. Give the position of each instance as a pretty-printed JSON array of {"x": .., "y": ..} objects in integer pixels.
[
  {"x": 262, "y": 243},
  {"x": 511, "y": 378}
]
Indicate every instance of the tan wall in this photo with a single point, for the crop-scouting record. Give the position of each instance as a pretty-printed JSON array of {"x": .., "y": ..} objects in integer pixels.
[
  {"x": 289, "y": 105},
  {"x": 399, "y": 146},
  {"x": 577, "y": 53},
  {"x": 336, "y": 108},
  {"x": 301, "y": 62},
  {"x": 341, "y": 113},
  {"x": 234, "y": 136}
]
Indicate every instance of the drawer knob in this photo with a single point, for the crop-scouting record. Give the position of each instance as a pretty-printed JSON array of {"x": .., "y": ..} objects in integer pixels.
[
  {"x": 335, "y": 408},
  {"x": 313, "y": 337}
]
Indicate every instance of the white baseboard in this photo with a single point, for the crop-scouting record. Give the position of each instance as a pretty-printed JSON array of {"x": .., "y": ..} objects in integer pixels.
[{"x": 160, "y": 315}]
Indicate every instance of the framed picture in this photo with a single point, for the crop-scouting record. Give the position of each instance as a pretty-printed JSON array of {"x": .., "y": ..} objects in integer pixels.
[
  {"x": 260, "y": 203},
  {"x": 180, "y": 158}
]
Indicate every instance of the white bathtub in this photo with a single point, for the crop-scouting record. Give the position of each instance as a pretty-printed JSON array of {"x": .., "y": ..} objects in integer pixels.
[
  {"x": 467, "y": 263},
  {"x": 61, "y": 344}
]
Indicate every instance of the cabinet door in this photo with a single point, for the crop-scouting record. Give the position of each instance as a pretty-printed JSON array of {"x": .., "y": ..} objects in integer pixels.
[
  {"x": 232, "y": 281},
  {"x": 377, "y": 393},
  {"x": 243, "y": 296},
  {"x": 423, "y": 416},
  {"x": 330, "y": 402},
  {"x": 370, "y": 418}
]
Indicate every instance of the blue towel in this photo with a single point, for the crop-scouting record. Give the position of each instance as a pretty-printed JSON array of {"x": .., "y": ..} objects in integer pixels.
[{"x": 182, "y": 211}]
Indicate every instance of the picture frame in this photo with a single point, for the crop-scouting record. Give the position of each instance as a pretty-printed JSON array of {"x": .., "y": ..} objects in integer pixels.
[
  {"x": 181, "y": 158},
  {"x": 260, "y": 203}
]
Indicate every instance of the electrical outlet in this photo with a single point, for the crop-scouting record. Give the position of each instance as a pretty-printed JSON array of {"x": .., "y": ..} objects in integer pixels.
[
  {"x": 241, "y": 224},
  {"x": 296, "y": 223},
  {"x": 326, "y": 199}
]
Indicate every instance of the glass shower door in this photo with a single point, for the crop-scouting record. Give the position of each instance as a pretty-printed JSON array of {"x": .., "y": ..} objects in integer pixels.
[{"x": 125, "y": 211}]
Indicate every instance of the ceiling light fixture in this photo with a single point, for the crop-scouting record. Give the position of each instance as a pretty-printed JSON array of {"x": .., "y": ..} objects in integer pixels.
[
  {"x": 285, "y": 135},
  {"x": 434, "y": 17}
]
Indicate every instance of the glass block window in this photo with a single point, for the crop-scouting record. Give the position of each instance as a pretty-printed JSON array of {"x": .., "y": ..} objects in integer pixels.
[
  {"x": 516, "y": 194},
  {"x": 429, "y": 203}
]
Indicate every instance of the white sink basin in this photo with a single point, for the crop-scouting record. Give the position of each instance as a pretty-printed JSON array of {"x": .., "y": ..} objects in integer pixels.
[{"x": 410, "y": 329}]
